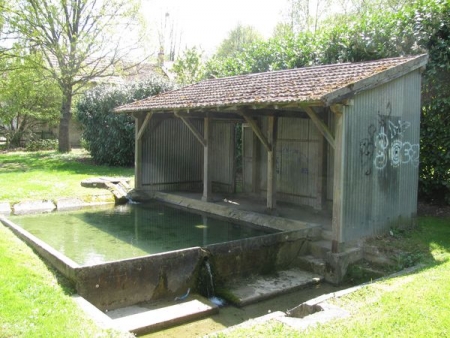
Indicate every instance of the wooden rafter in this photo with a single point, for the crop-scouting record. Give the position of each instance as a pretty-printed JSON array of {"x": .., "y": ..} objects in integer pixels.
[
  {"x": 321, "y": 126},
  {"x": 144, "y": 126},
  {"x": 193, "y": 129},
  {"x": 257, "y": 132}
]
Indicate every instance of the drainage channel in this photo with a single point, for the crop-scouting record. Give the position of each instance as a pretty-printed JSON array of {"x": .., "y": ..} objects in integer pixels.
[{"x": 229, "y": 316}]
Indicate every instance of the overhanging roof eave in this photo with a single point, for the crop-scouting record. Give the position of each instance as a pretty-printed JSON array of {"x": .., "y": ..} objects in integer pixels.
[
  {"x": 223, "y": 108},
  {"x": 375, "y": 80}
]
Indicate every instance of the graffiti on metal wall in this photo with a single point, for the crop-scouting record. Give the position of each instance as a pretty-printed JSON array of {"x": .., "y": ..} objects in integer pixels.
[{"x": 385, "y": 144}]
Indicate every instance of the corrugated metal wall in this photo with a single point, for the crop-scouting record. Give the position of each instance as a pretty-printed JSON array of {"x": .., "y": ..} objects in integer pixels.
[
  {"x": 297, "y": 160},
  {"x": 382, "y": 158},
  {"x": 172, "y": 157},
  {"x": 223, "y": 158}
]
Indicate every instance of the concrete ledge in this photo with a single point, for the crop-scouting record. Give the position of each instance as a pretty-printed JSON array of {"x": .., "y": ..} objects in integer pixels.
[
  {"x": 100, "y": 318},
  {"x": 102, "y": 182},
  {"x": 26, "y": 207},
  {"x": 5, "y": 208},
  {"x": 241, "y": 216},
  {"x": 71, "y": 203},
  {"x": 264, "y": 287},
  {"x": 141, "y": 320}
]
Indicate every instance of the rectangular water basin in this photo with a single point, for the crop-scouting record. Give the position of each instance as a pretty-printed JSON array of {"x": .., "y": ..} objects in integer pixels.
[
  {"x": 129, "y": 254},
  {"x": 97, "y": 236}
]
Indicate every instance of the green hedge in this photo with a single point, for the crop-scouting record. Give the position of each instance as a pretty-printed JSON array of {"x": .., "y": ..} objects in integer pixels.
[
  {"x": 108, "y": 136},
  {"x": 422, "y": 26}
]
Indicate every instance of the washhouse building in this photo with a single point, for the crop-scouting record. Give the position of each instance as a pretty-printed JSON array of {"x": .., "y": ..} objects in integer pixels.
[{"x": 341, "y": 138}]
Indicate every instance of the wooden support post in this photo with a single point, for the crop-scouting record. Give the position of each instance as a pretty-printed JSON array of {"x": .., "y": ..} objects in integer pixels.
[
  {"x": 207, "y": 187},
  {"x": 321, "y": 174},
  {"x": 256, "y": 165},
  {"x": 138, "y": 121},
  {"x": 338, "y": 177},
  {"x": 271, "y": 162}
]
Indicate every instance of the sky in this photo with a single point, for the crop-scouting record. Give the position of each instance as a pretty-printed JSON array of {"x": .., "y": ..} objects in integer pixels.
[{"x": 206, "y": 23}]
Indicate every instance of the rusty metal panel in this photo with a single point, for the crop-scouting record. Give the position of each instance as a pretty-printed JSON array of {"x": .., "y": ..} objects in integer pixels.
[
  {"x": 382, "y": 158},
  {"x": 172, "y": 157},
  {"x": 223, "y": 161}
]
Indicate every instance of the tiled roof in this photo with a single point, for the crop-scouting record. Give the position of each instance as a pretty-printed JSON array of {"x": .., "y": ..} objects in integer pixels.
[{"x": 317, "y": 84}]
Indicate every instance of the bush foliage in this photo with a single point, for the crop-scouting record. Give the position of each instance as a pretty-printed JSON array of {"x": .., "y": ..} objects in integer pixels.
[
  {"x": 109, "y": 136},
  {"x": 422, "y": 26}
]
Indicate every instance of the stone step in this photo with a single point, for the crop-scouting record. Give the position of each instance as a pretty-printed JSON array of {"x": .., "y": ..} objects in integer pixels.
[
  {"x": 327, "y": 234},
  {"x": 312, "y": 264},
  {"x": 257, "y": 288},
  {"x": 320, "y": 248},
  {"x": 145, "y": 319}
]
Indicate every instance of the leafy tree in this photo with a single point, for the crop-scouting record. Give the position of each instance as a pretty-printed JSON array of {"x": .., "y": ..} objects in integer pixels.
[
  {"x": 80, "y": 40},
  {"x": 189, "y": 68},
  {"x": 109, "y": 136},
  {"x": 27, "y": 100},
  {"x": 237, "y": 39}
]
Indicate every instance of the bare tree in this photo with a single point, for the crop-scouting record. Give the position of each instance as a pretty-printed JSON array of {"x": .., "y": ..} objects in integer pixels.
[
  {"x": 305, "y": 15},
  {"x": 169, "y": 36},
  {"x": 80, "y": 40}
]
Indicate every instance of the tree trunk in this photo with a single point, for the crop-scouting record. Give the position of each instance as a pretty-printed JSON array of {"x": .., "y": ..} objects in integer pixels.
[{"x": 64, "y": 122}]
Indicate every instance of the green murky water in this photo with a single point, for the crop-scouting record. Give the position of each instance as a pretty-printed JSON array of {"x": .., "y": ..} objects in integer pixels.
[{"x": 96, "y": 236}]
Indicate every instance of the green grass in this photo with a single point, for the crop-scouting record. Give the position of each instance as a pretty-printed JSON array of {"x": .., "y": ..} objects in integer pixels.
[
  {"x": 412, "y": 305},
  {"x": 50, "y": 175},
  {"x": 35, "y": 300}
]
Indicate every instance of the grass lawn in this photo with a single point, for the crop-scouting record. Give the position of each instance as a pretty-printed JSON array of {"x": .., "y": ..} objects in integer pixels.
[
  {"x": 49, "y": 175},
  {"x": 35, "y": 300},
  {"x": 413, "y": 305}
]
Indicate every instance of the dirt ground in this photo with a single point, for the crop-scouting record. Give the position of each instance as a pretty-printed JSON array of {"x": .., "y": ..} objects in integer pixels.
[{"x": 426, "y": 209}]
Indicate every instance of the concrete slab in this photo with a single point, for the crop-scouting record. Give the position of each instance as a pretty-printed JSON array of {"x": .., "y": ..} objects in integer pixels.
[
  {"x": 100, "y": 318},
  {"x": 248, "y": 291},
  {"x": 27, "y": 207},
  {"x": 72, "y": 203},
  {"x": 140, "y": 319},
  {"x": 229, "y": 211},
  {"x": 5, "y": 208}
]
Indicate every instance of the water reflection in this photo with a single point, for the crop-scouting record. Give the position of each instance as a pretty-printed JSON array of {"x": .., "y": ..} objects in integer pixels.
[{"x": 126, "y": 231}]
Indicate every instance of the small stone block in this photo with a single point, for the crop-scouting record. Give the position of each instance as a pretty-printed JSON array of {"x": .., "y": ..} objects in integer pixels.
[
  {"x": 28, "y": 207},
  {"x": 5, "y": 208},
  {"x": 157, "y": 319}
]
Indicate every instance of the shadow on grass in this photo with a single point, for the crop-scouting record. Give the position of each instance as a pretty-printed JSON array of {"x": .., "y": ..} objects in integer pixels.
[
  {"x": 74, "y": 162},
  {"x": 428, "y": 244}
]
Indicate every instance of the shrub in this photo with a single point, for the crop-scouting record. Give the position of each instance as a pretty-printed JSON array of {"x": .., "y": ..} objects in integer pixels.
[
  {"x": 109, "y": 136},
  {"x": 36, "y": 145}
]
